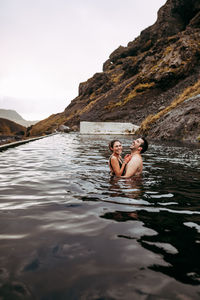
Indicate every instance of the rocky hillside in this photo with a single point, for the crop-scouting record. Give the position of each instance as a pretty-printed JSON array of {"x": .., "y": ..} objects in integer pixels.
[
  {"x": 12, "y": 115},
  {"x": 147, "y": 81},
  {"x": 10, "y": 131}
]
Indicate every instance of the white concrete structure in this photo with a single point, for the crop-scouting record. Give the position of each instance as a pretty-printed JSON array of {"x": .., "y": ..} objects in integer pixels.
[{"x": 107, "y": 128}]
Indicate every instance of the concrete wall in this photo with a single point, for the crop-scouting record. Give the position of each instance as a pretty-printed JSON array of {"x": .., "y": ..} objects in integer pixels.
[{"x": 107, "y": 128}]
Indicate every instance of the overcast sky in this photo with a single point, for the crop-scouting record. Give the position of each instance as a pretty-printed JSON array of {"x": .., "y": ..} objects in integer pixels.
[{"x": 49, "y": 46}]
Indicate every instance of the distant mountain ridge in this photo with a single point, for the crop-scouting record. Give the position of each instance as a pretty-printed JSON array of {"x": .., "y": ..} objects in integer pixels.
[{"x": 14, "y": 116}]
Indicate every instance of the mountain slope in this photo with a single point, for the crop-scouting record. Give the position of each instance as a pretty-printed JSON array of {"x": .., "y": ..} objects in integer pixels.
[
  {"x": 11, "y": 128},
  {"x": 144, "y": 78}
]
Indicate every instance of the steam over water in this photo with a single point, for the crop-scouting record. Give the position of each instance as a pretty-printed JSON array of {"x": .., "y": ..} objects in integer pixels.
[{"x": 69, "y": 231}]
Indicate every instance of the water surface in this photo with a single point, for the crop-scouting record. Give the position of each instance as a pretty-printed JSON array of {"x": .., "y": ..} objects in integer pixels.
[{"x": 69, "y": 231}]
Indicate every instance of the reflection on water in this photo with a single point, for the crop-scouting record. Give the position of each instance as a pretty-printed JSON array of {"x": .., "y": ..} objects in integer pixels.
[{"x": 69, "y": 231}]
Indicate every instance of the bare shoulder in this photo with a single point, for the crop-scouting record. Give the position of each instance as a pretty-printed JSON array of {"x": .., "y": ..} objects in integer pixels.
[{"x": 113, "y": 158}]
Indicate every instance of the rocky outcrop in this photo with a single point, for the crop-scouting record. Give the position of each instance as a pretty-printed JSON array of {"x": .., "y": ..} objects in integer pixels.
[
  {"x": 180, "y": 123},
  {"x": 145, "y": 77}
]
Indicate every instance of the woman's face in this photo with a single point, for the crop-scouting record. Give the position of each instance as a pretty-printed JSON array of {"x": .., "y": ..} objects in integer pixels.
[{"x": 117, "y": 148}]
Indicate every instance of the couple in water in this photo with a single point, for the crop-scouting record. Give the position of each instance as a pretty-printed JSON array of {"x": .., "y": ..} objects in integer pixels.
[{"x": 132, "y": 163}]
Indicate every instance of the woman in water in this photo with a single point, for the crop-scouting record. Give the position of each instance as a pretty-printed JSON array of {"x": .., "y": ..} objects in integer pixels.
[{"x": 116, "y": 163}]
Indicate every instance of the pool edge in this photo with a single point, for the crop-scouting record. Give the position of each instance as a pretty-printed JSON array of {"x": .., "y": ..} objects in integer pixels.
[{"x": 15, "y": 144}]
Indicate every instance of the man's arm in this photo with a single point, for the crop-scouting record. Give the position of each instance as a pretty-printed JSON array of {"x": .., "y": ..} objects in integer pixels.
[{"x": 133, "y": 167}]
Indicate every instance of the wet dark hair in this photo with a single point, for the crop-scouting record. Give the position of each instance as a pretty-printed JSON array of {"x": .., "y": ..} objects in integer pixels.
[
  {"x": 144, "y": 145},
  {"x": 111, "y": 144}
]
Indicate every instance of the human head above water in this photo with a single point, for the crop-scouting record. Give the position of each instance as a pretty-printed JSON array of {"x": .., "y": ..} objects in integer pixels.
[
  {"x": 111, "y": 144},
  {"x": 144, "y": 145},
  {"x": 140, "y": 144}
]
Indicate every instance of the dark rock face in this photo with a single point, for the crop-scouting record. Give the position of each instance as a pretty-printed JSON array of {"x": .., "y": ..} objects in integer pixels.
[
  {"x": 149, "y": 73},
  {"x": 98, "y": 84},
  {"x": 180, "y": 123}
]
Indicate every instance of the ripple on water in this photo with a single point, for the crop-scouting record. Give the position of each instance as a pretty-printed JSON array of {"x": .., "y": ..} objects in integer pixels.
[{"x": 66, "y": 222}]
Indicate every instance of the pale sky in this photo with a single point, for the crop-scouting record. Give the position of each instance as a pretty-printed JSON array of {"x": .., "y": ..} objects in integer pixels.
[{"x": 49, "y": 46}]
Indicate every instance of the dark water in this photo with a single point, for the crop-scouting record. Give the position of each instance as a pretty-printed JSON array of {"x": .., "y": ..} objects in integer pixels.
[{"x": 69, "y": 231}]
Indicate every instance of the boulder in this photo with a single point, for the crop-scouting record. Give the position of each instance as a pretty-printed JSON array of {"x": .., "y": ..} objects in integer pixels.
[{"x": 63, "y": 128}]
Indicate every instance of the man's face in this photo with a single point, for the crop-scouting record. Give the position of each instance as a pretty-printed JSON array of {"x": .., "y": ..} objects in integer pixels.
[{"x": 136, "y": 144}]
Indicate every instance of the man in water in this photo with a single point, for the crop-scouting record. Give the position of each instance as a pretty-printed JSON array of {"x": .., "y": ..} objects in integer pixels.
[{"x": 135, "y": 165}]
